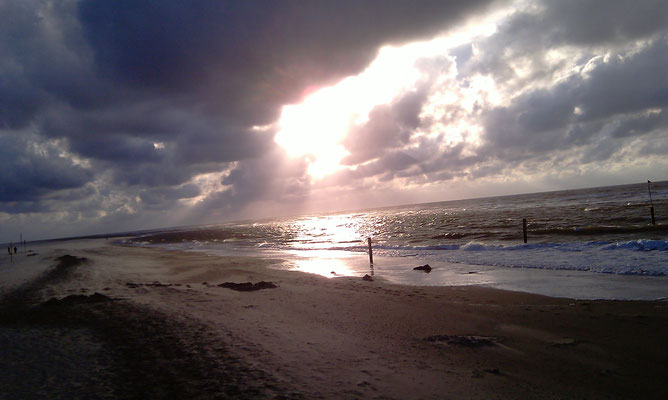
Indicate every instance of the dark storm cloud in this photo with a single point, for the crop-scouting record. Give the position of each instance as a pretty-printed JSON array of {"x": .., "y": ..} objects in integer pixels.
[
  {"x": 45, "y": 60},
  {"x": 156, "y": 174},
  {"x": 434, "y": 160},
  {"x": 615, "y": 95},
  {"x": 603, "y": 21},
  {"x": 146, "y": 95},
  {"x": 533, "y": 123},
  {"x": 156, "y": 142},
  {"x": 641, "y": 125},
  {"x": 656, "y": 144},
  {"x": 167, "y": 197},
  {"x": 245, "y": 59},
  {"x": 28, "y": 172},
  {"x": 275, "y": 175},
  {"x": 274, "y": 179},
  {"x": 186, "y": 137},
  {"x": 225, "y": 145},
  {"x": 117, "y": 149},
  {"x": 389, "y": 126},
  {"x": 19, "y": 98},
  {"x": 151, "y": 94},
  {"x": 633, "y": 83},
  {"x": 427, "y": 162},
  {"x": 388, "y": 164}
]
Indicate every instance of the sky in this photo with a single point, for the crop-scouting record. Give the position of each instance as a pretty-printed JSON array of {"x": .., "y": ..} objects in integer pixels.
[{"x": 120, "y": 115}]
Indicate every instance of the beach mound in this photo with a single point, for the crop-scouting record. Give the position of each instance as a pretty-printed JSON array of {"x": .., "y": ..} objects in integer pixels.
[
  {"x": 426, "y": 268},
  {"x": 466, "y": 341},
  {"x": 248, "y": 286},
  {"x": 98, "y": 346},
  {"x": 77, "y": 299}
]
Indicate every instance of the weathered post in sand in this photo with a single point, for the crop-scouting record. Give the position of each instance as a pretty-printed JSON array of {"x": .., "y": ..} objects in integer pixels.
[
  {"x": 370, "y": 252},
  {"x": 651, "y": 203},
  {"x": 524, "y": 229}
]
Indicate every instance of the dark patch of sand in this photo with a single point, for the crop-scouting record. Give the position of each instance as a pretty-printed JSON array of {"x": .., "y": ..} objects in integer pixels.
[
  {"x": 248, "y": 286},
  {"x": 95, "y": 346},
  {"x": 465, "y": 340}
]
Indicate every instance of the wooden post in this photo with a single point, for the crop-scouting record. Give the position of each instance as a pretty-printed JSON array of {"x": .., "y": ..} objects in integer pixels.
[
  {"x": 370, "y": 252},
  {"x": 524, "y": 229},
  {"x": 651, "y": 203},
  {"x": 651, "y": 211}
]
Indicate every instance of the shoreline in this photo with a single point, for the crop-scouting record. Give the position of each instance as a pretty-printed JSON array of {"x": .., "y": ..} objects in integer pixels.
[
  {"x": 313, "y": 337},
  {"x": 564, "y": 283}
]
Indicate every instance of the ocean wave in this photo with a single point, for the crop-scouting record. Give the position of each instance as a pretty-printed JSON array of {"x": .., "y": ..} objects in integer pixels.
[
  {"x": 599, "y": 230},
  {"x": 602, "y": 269},
  {"x": 639, "y": 245},
  {"x": 635, "y": 257},
  {"x": 636, "y": 245},
  {"x": 471, "y": 246}
]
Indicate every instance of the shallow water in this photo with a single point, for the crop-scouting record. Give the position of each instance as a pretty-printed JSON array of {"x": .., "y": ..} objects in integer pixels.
[{"x": 595, "y": 232}]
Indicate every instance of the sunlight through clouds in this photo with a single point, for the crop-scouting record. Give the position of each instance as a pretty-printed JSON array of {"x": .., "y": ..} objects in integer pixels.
[
  {"x": 316, "y": 127},
  {"x": 277, "y": 108}
]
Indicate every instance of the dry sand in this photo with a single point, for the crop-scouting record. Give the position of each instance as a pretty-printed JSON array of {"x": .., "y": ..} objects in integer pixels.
[{"x": 161, "y": 327}]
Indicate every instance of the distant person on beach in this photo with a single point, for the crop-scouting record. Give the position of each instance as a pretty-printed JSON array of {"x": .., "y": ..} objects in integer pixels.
[
  {"x": 9, "y": 249},
  {"x": 14, "y": 249}
]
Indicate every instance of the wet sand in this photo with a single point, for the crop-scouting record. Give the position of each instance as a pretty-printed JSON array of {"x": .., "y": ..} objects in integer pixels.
[{"x": 123, "y": 322}]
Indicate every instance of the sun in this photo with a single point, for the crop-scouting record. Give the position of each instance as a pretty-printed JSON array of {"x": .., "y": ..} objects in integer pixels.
[{"x": 316, "y": 128}]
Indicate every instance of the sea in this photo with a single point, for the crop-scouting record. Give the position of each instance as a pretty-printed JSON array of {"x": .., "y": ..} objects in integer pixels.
[{"x": 594, "y": 243}]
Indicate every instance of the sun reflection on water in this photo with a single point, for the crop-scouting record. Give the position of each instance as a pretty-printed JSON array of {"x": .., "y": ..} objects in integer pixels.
[
  {"x": 322, "y": 245},
  {"x": 322, "y": 262},
  {"x": 324, "y": 231}
]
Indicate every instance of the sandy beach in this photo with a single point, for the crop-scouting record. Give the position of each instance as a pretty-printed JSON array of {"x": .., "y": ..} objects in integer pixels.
[{"x": 108, "y": 321}]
